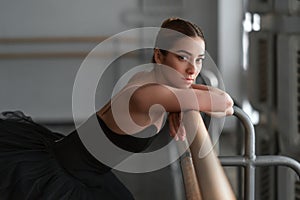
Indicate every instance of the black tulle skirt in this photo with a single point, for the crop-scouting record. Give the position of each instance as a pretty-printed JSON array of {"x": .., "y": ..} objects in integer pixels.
[{"x": 31, "y": 169}]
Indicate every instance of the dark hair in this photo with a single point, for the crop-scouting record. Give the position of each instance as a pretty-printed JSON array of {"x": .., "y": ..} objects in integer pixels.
[{"x": 179, "y": 28}]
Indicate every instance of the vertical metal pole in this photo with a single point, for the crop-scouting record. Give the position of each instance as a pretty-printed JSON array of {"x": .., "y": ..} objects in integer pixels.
[
  {"x": 249, "y": 154},
  {"x": 249, "y": 182}
]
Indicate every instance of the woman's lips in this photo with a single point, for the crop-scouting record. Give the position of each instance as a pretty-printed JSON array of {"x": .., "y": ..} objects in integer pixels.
[{"x": 189, "y": 80}]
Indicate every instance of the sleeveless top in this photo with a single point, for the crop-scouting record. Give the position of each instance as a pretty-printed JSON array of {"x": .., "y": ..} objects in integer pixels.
[{"x": 73, "y": 155}]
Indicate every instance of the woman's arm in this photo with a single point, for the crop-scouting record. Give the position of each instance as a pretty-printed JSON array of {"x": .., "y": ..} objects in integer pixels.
[
  {"x": 175, "y": 100},
  {"x": 228, "y": 111},
  {"x": 144, "y": 102},
  {"x": 136, "y": 107}
]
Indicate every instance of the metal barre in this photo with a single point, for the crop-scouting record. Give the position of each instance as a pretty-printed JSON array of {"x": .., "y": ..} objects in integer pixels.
[{"x": 249, "y": 161}]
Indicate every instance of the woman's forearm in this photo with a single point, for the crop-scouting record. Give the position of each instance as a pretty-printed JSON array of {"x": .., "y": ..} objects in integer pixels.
[{"x": 177, "y": 100}]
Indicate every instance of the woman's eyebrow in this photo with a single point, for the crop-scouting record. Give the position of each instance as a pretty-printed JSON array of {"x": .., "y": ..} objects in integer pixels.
[{"x": 186, "y": 52}]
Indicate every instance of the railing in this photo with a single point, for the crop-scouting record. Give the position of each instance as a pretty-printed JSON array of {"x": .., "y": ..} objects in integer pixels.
[{"x": 250, "y": 161}]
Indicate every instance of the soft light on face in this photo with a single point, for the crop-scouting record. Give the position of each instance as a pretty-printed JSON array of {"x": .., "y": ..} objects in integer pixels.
[{"x": 184, "y": 60}]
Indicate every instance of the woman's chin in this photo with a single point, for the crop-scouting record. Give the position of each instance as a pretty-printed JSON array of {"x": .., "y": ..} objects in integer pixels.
[{"x": 182, "y": 85}]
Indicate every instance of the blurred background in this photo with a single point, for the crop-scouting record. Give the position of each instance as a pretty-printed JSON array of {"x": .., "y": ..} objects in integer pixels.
[{"x": 255, "y": 44}]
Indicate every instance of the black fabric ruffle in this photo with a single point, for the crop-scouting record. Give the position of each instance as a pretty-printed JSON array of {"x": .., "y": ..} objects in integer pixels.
[{"x": 31, "y": 170}]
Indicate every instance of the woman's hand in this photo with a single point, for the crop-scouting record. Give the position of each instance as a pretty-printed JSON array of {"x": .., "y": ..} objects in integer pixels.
[
  {"x": 223, "y": 98},
  {"x": 176, "y": 126}
]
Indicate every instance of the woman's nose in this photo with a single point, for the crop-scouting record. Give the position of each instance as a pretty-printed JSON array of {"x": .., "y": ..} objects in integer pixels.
[{"x": 191, "y": 69}]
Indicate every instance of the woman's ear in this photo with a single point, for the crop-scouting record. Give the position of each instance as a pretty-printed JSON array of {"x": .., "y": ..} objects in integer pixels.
[{"x": 157, "y": 56}]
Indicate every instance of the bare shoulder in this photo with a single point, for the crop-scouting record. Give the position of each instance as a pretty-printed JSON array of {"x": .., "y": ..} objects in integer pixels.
[{"x": 143, "y": 77}]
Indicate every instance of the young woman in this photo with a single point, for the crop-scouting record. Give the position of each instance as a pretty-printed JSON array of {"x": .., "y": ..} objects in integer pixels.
[{"x": 39, "y": 164}]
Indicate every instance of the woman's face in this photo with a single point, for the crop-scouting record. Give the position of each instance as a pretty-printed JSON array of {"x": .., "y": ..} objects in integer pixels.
[{"x": 184, "y": 61}]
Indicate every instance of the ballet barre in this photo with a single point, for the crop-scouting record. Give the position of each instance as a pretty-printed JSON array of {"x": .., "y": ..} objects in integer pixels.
[{"x": 249, "y": 161}]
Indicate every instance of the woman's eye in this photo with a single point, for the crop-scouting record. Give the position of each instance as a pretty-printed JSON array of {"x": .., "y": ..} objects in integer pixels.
[
  {"x": 182, "y": 57},
  {"x": 199, "y": 60}
]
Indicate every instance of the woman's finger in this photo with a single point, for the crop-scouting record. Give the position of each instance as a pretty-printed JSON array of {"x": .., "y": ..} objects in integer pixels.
[
  {"x": 172, "y": 129},
  {"x": 182, "y": 133},
  {"x": 173, "y": 123}
]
